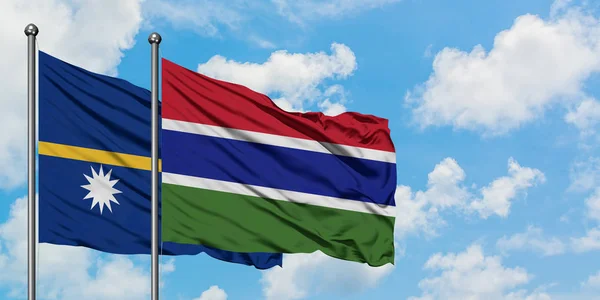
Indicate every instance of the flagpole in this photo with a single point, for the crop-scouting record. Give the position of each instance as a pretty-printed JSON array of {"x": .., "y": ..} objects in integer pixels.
[
  {"x": 154, "y": 39},
  {"x": 31, "y": 32}
]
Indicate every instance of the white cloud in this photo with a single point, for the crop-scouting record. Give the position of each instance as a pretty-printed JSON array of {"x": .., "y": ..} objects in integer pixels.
[
  {"x": 534, "y": 240},
  {"x": 593, "y": 282},
  {"x": 202, "y": 16},
  {"x": 331, "y": 109},
  {"x": 67, "y": 272},
  {"x": 592, "y": 204},
  {"x": 533, "y": 65},
  {"x": 585, "y": 175},
  {"x": 427, "y": 53},
  {"x": 420, "y": 212},
  {"x": 498, "y": 195},
  {"x": 301, "y": 11},
  {"x": 415, "y": 214},
  {"x": 261, "y": 42},
  {"x": 287, "y": 105},
  {"x": 330, "y": 106},
  {"x": 69, "y": 30},
  {"x": 524, "y": 295},
  {"x": 585, "y": 117},
  {"x": 559, "y": 6},
  {"x": 589, "y": 242},
  {"x": 446, "y": 190},
  {"x": 443, "y": 185},
  {"x": 316, "y": 273},
  {"x": 126, "y": 281},
  {"x": 289, "y": 89},
  {"x": 472, "y": 275},
  {"x": 213, "y": 18},
  {"x": 213, "y": 293}
]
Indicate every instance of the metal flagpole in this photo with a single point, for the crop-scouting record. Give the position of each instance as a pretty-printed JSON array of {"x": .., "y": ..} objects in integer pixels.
[
  {"x": 31, "y": 32},
  {"x": 154, "y": 39}
]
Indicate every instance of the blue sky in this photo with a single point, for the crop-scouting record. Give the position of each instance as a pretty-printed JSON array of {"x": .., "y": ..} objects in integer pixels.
[{"x": 493, "y": 111}]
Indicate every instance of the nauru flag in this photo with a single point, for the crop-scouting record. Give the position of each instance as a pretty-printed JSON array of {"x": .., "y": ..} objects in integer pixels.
[{"x": 241, "y": 174}]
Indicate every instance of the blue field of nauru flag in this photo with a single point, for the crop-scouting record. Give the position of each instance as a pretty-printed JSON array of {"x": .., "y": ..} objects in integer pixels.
[{"x": 94, "y": 166}]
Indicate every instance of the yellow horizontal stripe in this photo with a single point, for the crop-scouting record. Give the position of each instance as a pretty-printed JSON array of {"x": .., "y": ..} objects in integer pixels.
[{"x": 96, "y": 156}]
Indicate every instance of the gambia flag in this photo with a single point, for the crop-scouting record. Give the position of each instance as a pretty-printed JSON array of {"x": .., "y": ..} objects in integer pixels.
[{"x": 241, "y": 174}]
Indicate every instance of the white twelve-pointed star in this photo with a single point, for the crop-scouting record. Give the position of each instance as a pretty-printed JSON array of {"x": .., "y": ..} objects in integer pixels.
[{"x": 101, "y": 189}]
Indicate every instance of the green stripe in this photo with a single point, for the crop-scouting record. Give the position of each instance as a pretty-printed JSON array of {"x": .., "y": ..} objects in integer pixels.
[{"x": 242, "y": 223}]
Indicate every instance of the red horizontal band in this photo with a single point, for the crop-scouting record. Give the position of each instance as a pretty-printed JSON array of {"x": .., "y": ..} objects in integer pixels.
[{"x": 192, "y": 97}]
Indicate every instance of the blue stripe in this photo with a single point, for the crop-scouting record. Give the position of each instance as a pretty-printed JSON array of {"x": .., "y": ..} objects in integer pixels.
[
  {"x": 65, "y": 218},
  {"x": 279, "y": 167}
]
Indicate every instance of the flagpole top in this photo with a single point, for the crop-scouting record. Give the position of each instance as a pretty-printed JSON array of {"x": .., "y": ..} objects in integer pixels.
[
  {"x": 31, "y": 29},
  {"x": 154, "y": 38}
]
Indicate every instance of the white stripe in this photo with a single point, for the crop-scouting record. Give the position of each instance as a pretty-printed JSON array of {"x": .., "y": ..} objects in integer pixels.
[
  {"x": 278, "y": 140},
  {"x": 278, "y": 194}
]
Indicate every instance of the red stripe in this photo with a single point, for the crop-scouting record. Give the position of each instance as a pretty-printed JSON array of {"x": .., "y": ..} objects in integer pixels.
[{"x": 193, "y": 97}]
